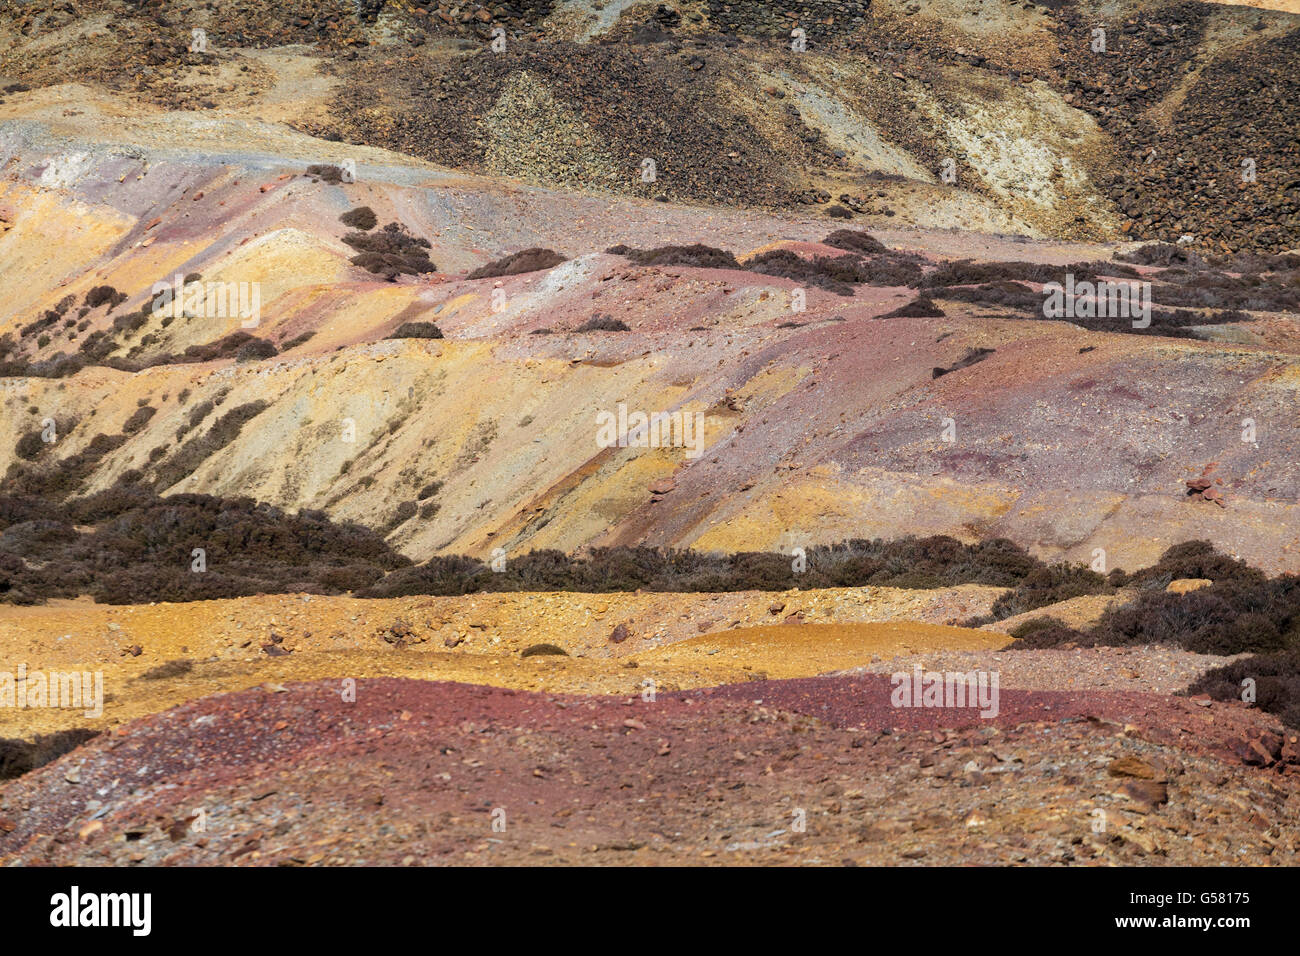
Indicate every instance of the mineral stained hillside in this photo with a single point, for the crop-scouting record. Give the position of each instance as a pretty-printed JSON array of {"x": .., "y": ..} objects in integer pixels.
[{"x": 559, "y": 432}]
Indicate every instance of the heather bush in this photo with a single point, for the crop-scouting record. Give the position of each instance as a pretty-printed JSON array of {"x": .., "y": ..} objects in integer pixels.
[
  {"x": 693, "y": 255},
  {"x": 1277, "y": 682},
  {"x": 128, "y": 546},
  {"x": 1242, "y": 611},
  {"x": 363, "y": 218},
  {"x": 198, "y": 450},
  {"x": 255, "y": 350},
  {"x": 327, "y": 172},
  {"x": 527, "y": 260},
  {"x": 138, "y": 419},
  {"x": 416, "y": 330},
  {"x": 855, "y": 240},
  {"x": 922, "y": 307},
  {"x": 390, "y": 252},
  {"x": 912, "y": 562},
  {"x": 18, "y": 756},
  {"x": 174, "y": 668},
  {"x": 603, "y": 323}
]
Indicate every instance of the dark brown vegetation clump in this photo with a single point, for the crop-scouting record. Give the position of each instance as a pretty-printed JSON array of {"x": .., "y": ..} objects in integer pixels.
[
  {"x": 970, "y": 358},
  {"x": 197, "y": 450},
  {"x": 128, "y": 546},
  {"x": 1277, "y": 683},
  {"x": 1028, "y": 305},
  {"x": 836, "y": 274},
  {"x": 922, "y": 307},
  {"x": 256, "y": 349},
  {"x": 298, "y": 340},
  {"x": 855, "y": 240},
  {"x": 176, "y": 668},
  {"x": 416, "y": 330},
  {"x": 391, "y": 252},
  {"x": 363, "y": 218},
  {"x": 1159, "y": 254},
  {"x": 937, "y": 561},
  {"x": 139, "y": 418},
  {"x": 104, "y": 294},
  {"x": 228, "y": 346},
  {"x": 18, "y": 756},
  {"x": 1242, "y": 611},
  {"x": 542, "y": 650},
  {"x": 698, "y": 254},
  {"x": 970, "y": 272},
  {"x": 60, "y": 478},
  {"x": 603, "y": 323},
  {"x": 326, "y": 172},
  {"x": 528, "y": 260}
]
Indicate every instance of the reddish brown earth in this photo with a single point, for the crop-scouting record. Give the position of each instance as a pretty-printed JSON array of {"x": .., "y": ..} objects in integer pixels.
[{"x": 412, "y": 772}]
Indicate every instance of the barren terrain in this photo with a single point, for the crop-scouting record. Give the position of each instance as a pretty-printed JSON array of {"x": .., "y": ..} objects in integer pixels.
[{"x": 273, "y": 528}]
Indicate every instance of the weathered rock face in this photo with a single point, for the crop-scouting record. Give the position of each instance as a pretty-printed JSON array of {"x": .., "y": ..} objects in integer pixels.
[{"x": 995, "y": 116}]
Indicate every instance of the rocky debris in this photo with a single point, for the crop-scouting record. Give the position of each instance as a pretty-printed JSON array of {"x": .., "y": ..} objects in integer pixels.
[
  {"x": 1154, "y": 669},
  {"x": 1267, "y": 749},
  {"x": 871, "y": 783},
  {"x": 1130, "y": 766},
  {"x": 661, "y": 68},
  {"x": 1153, "y": 793},
  {"x": 532, "y": 112},
  {"x": 620, "y": 634},
  {"x": 399, "y": 633},
  {"x": 1184, "y": 174},
  {"x": 1206, "y": 488}
]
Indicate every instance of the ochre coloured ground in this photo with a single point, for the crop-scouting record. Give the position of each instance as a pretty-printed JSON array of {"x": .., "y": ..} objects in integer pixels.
[
  {"x": 234, "y": 644},
  {"x": 801, "y": 650}
]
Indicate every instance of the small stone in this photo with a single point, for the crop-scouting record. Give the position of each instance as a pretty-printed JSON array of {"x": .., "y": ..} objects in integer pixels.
[{"x": 1131, "y": 767}]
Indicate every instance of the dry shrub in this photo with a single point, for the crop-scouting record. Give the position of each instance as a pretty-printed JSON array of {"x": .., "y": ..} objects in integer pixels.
[
  {"x": 416, "y": 330},
  {"x": 919, "y": 308},
  {"x": 603, "y": 323},
  {"x": 855, "y": 240},
  {"x": 528, "y": 260},
  {"x": 363, "y": 218},
  {"x": 18, "y": 757},
  {"x": 391, "y": 252}
]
